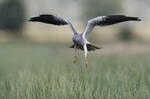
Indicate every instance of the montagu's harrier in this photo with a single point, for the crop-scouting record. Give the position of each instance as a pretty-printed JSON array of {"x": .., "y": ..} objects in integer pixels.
[{"x": 79, "y": 40}]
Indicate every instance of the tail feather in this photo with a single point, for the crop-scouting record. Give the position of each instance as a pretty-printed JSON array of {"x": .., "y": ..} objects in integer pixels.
[
  {"x": 90, "y": 47},
  {"x": 72, "y": 46}
]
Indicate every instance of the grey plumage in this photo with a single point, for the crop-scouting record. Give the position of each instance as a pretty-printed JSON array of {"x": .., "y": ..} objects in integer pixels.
[
  {"x": 107, "y": 20},
  {"x": 79, "y": 40}
]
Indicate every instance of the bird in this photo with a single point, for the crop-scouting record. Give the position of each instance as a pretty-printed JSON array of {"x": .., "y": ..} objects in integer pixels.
[{"x": 79, "y": 39}]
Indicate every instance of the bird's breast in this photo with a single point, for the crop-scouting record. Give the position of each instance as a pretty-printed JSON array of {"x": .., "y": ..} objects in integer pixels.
[{"x": 78, "y": 40}]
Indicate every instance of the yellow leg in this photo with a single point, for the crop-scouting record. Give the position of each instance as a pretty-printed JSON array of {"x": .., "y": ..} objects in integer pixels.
[
  {"x": 86, "y": 62},
  {"x": 75, "y": 60}
]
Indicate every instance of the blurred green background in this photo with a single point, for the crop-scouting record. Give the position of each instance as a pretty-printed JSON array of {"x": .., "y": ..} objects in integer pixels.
[{"x": 36, "y": 63}]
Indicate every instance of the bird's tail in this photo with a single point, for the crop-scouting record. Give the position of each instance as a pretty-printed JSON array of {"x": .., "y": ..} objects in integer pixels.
[{"x": 90, "y": 47}]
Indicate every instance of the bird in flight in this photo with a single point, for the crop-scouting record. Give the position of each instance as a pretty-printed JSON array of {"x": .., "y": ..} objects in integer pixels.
[{"x": 79, "y": 40}]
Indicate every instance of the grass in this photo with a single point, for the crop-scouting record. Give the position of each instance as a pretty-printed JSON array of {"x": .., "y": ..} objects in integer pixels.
[{"x": 45, "y": 71}]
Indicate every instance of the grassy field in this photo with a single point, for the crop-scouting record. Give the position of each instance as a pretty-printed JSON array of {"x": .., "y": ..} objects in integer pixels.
[{"x": 45, "y": 71}]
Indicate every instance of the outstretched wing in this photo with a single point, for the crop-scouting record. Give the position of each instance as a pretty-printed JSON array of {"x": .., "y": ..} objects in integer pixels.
[
  {"x": 53, "y": 19},
  {"x": 50, "y": 19},
  {"x": 107, "y": 20}
]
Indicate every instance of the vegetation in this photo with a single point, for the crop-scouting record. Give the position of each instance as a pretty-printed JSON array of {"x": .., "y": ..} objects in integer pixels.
[
  {"x": 126, "y": 34},
  {"x": 12, "y": 15},
  {"x": 40, "y": 71}
]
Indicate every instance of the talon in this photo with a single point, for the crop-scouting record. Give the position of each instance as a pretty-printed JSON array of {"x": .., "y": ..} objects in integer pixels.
[
  {"x": 75, "y": 60},
  {"x": 86, "y": 63}
]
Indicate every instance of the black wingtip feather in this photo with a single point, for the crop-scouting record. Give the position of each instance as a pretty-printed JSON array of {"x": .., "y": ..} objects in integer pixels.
[
  {"x": 49, "y": 19},
  {"x": 34, "y": 19},
  {"x": 113, "y": 19},
  {"x": 134, "y": 18}
]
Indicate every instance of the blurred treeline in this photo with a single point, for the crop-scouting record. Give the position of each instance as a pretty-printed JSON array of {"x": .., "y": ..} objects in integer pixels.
[
  {"x": 12, "y": 16},
  {"x": 93, "y": 8},
  {"x": 15, "y": 13}
]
